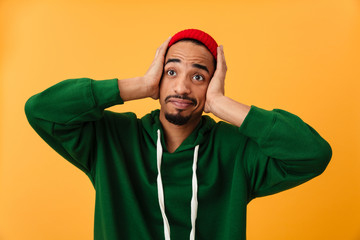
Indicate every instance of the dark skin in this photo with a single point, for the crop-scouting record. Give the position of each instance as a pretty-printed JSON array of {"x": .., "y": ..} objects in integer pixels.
[{"x": 186, "y": 70}]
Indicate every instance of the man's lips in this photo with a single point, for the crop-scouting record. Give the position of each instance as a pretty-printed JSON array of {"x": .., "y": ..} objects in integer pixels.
[{"x": 179, "y": 103}]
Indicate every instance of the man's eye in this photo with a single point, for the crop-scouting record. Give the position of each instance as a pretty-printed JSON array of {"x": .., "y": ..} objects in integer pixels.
[
  {"x": 171, "y": 73},
  {"x": 198, "y": 78}
]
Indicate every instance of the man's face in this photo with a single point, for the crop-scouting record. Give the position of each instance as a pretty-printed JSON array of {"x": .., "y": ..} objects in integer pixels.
[{"x": 187, "y": 72}]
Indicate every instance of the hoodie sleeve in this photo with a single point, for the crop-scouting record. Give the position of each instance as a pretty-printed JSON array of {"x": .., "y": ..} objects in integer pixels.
[
  {"x": 284, "y": 153},
  {"x": 64, "y": 115}
]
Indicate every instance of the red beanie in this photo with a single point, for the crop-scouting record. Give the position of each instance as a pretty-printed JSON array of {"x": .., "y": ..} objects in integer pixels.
[{"x": 199, "y": 35}]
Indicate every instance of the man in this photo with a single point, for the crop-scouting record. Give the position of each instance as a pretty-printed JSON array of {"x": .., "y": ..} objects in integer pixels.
[{"x": 175, "y": 174}]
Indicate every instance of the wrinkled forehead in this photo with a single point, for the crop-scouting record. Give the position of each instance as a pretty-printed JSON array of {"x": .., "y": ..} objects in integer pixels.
[{"x": 190, "y": 50}]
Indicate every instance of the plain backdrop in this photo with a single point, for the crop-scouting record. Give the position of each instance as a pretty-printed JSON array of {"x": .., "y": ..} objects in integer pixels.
[{"x": 299, "y": 55}]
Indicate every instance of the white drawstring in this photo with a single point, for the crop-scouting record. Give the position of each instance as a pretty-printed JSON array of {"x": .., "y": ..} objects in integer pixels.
[
  {"x": 194, "y": 200},
  {"x": 159, "y": 151}
]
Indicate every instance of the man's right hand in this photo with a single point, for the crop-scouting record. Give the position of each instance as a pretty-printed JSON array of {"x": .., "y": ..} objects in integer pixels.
[
  {"x": 154, "y": 73},
  {"x": 148, "y": 85}
]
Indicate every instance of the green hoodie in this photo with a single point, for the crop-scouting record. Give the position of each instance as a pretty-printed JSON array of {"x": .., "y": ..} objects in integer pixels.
[{"x": 270, "y": 152}]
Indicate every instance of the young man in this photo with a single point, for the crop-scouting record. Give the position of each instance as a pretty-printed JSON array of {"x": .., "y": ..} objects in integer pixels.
[{"x": 175, "y": 174}]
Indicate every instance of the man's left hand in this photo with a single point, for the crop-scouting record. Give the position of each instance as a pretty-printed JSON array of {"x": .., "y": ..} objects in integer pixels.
[
  {"x": 217, "y": 103},
  {"x": 216, "y": 86}
]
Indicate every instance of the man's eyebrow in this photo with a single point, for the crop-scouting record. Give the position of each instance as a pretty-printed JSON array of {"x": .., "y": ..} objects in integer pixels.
[
  {"x": 201, "y": 67},
  {"x": 172, "y": 60},
  {"x": 196, "y": 65}
]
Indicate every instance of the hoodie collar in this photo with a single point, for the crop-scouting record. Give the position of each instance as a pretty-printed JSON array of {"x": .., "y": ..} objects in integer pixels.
[{"x": 151, "y": 123}]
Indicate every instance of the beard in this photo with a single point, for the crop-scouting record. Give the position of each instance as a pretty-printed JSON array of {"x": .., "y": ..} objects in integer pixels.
[{"x": 177, "y": 119}]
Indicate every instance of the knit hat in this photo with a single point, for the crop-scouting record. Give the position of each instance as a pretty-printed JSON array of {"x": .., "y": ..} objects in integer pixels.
[{"x": 199, "y": 35}]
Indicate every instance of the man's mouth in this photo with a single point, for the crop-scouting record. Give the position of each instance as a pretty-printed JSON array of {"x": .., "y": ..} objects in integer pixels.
[
  {"x": 181, "y": 104},
  {"x": 181, "y": 101}
]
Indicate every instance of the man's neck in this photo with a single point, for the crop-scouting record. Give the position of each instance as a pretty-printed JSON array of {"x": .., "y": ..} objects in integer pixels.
[{"x": 176, "y": 134}]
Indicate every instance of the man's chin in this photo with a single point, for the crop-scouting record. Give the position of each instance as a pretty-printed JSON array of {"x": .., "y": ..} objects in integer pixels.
[{"x": 177, "y": 118}]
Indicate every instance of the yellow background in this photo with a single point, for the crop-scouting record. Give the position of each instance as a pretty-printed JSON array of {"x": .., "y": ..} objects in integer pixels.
[{"x": 298, "y": 55}]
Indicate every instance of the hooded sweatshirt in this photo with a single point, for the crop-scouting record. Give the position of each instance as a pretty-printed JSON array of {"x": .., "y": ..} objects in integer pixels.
[{"x": 201, "y": 190}]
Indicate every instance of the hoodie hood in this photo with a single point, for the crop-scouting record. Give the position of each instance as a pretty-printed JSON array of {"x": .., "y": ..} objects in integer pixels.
[{"x": 152, "y": 124}]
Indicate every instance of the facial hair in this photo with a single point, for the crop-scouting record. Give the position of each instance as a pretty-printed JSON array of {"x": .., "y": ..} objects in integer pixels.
[{"x": 177, "y": 118}]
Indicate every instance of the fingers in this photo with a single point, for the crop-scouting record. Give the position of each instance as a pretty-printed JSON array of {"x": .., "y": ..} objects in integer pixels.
[
  {"x": 162, "y": 49},
  {"x": 154, "y": 72},
  {"x": 221, "y": 63},
  {"x": 221, "y": 67}
]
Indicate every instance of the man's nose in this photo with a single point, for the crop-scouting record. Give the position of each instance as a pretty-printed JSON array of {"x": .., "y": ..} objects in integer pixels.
[{"x": 182, "y": 85}]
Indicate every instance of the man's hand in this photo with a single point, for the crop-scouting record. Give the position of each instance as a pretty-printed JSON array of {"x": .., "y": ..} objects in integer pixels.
[
  {"x": 217, "y": 84},
  {"x": 148, "y": 85},
  {"x": 154, "y": 73},
  {"x": 217, "y": 103}
]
